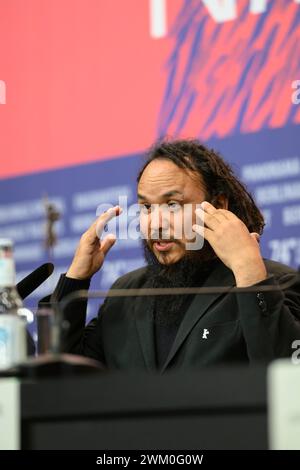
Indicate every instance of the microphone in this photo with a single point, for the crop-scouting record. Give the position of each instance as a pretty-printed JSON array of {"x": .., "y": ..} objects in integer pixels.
[
  {"x": 49, "y": 363},
  {"x": 34, "y": 280}
]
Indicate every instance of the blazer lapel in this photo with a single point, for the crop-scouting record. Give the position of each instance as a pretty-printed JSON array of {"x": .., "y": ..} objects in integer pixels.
[
  {"x": 221, "y": 276},
  {"x": 144, "y": 322}
]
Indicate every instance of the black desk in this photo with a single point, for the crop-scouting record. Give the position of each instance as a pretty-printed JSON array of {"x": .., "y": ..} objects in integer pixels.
[{"x": 209, "y": 409}]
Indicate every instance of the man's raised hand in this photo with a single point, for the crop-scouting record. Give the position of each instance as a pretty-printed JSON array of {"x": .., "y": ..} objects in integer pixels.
[{"x": 91, "y": 251}]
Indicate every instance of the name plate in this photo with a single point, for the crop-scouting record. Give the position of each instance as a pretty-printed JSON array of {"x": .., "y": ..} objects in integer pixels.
[
  {"x": 284, "y": 405},
  {"x": 10, "y": 415}
]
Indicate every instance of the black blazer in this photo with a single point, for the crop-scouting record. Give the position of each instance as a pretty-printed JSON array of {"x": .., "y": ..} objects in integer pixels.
[{"x": 242, "y": 327}]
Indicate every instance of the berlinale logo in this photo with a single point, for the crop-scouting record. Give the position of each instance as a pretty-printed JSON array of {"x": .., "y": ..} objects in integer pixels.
[
  {"x": 237, "y": 56},
  {"x": 220, "y": 10}
]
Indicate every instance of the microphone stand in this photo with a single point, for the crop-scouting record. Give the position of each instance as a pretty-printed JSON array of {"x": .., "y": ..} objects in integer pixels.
[
  {"x": 60, "y": 307},
  {"x": 149, "y": 292},
  {"x": 58, "y": 363},
  {"x": 52, "y": 361}
]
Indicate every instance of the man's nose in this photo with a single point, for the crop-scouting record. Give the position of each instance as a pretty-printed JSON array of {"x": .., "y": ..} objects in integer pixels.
[{"x": 159, "y": 219}]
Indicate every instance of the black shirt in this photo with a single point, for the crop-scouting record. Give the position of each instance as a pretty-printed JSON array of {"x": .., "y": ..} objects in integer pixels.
[{"x": 165, "y": 332}]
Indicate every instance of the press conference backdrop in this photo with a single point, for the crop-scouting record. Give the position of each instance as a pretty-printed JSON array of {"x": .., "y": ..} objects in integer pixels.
[{"x": 86, "y": 87}]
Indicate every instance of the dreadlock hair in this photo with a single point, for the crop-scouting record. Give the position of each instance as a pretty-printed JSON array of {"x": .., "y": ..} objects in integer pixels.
[{"x": 217, "y": 176}]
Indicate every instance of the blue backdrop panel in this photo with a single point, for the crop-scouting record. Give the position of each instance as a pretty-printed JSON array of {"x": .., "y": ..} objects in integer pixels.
[{"x": 268, "y": 163}]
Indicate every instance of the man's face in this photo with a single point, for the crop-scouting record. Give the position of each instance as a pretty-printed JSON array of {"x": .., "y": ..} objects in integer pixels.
[{"x": 173, "y": 193}]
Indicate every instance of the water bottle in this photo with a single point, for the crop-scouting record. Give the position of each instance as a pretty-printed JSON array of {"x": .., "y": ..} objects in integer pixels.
[{"x": 13, "y": 346}]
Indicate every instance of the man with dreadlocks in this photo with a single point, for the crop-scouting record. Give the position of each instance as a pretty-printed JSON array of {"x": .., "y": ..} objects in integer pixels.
[{"x": 181, "y": 331}]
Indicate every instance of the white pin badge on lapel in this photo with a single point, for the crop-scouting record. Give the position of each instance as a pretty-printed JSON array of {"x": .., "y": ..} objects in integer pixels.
[{"x": 205, "y": 333}]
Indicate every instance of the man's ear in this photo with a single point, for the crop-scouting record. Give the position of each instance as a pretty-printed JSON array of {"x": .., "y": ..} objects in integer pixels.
[{"x": 220, "y": 202}]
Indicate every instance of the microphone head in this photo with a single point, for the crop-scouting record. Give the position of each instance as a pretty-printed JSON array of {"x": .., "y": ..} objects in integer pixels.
[{"x": 34, "y": 280}]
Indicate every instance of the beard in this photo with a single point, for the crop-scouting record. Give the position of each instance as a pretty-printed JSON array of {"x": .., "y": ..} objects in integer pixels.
[{"x": 190, "y": 271}]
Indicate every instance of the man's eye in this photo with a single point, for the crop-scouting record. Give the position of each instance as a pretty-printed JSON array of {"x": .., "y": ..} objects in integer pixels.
[
  {"x": 145, "y": 208},
  {"x": 174, "y": 205}
]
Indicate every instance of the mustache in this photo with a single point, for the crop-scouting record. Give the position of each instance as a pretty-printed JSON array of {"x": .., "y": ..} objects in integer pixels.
[{"x": 161, "y": 235}]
